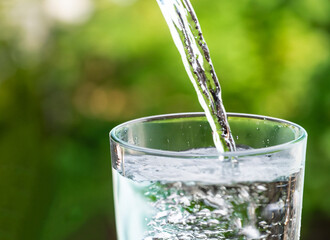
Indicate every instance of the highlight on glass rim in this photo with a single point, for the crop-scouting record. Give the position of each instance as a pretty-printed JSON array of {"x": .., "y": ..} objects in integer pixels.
[{"x": 208, "y": 104}]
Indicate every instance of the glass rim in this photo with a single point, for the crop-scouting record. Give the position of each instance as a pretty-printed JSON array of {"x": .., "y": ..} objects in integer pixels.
[{"x": 178, "y": 154}]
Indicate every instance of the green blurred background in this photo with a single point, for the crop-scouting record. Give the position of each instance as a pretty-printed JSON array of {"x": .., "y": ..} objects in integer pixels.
[{"x": 70, "y": 70}]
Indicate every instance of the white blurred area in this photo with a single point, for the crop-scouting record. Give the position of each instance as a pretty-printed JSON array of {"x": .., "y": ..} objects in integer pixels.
[
  {"x": 27, "y": 20},
  {"x": 69, "y": 11},
  {"x": 32, "y": 20}
]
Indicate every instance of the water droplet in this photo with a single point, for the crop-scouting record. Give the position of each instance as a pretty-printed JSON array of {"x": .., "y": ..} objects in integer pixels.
[{"x": 251, "y": 232}]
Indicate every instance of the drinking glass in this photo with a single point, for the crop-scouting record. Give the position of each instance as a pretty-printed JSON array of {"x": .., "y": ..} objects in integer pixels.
[{"x": 171, "y": 183}]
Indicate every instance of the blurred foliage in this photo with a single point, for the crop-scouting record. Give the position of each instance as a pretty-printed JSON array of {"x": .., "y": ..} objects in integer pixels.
[{"x": 69, "y": 73}]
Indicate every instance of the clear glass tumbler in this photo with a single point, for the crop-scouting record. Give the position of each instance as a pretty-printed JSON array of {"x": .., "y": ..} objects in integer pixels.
[{"x": 171, "y": 183}]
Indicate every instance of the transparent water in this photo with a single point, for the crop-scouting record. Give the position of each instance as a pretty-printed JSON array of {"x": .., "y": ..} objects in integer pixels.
[
  {"x": 188, "y": 37},
  {"x": 168, "y": 199}
]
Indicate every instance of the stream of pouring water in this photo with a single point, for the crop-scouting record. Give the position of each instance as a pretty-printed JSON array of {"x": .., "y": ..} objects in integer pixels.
[{"x": 187, "y": 36}]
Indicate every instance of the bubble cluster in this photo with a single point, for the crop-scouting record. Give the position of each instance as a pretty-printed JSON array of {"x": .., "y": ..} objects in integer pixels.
[{"x": 187, "y": 211}]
